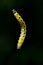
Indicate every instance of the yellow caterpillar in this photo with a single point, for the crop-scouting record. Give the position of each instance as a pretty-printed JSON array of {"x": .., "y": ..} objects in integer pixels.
[{"x": 23, "y": 28}]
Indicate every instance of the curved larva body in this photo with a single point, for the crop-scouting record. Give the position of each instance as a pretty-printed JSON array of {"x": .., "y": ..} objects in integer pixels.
[{"x": 23, "y": 29}]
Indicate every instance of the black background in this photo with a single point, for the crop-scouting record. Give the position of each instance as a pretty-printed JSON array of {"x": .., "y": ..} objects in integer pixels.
[{"x": 31, "y": 51}]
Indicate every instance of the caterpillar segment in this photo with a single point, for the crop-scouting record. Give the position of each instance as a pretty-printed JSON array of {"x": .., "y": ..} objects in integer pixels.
[{"x": 23, "y": 28}]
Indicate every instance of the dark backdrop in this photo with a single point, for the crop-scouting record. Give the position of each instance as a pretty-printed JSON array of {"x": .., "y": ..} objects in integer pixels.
[{"x": 31, "y": 51}]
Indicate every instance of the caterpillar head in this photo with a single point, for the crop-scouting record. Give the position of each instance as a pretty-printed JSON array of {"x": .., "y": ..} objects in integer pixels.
[{"x": 13, "y": 11}]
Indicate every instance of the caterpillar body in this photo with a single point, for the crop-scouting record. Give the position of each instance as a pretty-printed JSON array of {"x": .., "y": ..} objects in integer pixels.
[{"x": 23, "y": 28}]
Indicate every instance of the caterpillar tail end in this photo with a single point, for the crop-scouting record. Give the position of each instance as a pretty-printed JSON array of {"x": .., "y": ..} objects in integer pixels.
[
  {"x": 18, "y": 47},
  {"x": 13, "y": 11}
]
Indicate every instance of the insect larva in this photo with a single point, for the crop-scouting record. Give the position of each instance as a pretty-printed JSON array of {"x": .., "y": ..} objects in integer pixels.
[{"x": 23, "y": 28}]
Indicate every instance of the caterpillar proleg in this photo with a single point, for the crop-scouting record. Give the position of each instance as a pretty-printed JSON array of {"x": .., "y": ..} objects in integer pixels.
[{"x": 23, "y": 28}]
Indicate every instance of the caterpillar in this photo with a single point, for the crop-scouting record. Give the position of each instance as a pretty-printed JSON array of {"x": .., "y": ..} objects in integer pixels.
[{"x": 23, "y": 28}]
